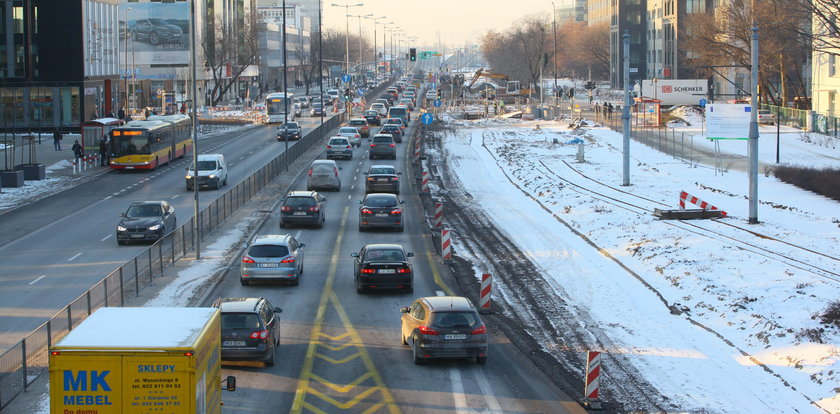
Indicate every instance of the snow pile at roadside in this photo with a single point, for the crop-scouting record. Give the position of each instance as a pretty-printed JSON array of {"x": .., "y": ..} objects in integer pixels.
[{"x": 766, "y": 307}]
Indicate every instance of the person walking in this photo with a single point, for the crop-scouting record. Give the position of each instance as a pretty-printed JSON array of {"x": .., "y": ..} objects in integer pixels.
[
  {"x": 121, "y": 114},
  {"x": 57, "y": 139},
  {"x": 103, "y": 152},
  {"x": 78, "y": 151}
]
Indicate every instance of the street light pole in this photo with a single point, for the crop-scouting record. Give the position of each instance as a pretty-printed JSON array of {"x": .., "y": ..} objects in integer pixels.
[
  {"x": 347, "y": 33},
  {"x": 194, "y": 112},
  {"x": 554, "y": 26},
  {"x": 285, "y": 92},
  {"x": 375, "y": 58},
  {"x": 125, "y": 59},
  {"x": 321, "y": 61}
]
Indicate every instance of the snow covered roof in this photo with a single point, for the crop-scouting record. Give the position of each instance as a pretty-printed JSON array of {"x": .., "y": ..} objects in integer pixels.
[{"x": 139, "y": 328}]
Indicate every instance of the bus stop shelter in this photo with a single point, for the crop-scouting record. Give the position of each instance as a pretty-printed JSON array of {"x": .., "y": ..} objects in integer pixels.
[{"x": 646, "y": 111}]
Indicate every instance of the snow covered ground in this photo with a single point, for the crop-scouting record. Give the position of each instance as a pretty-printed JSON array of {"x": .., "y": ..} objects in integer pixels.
[{"x": 751, "y": 339}]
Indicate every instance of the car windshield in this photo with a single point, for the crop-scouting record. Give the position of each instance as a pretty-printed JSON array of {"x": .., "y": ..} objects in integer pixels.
[
  {"x": 240, "y": 321},
  {"x": 453, "y": 319},
  {"x": 379, "y": 255},
  {"x": 206, "y": 165},
  {"x": 150, "y": 210},
  {"x": 371, "y": 113},
  {"x": 382, "y": 140},
  {"x": 347, "y": 131},
  {"x": 391, "y": 127},
  {"x": 291, "y": 125},
  {"x": 380, "y": 201},
  {"x": 268, "y": 250},
  {"x": 357, "y": 122},
  {"x": 338, "y": 141},
  {"x": 299, "y": 202},
  {"x": 382, "y": 170}
]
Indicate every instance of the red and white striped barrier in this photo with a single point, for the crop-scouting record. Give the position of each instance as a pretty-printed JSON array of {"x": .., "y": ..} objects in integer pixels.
[
  {"x": 425, "y": 183},
  {"x": 697, "y": 202},
  {"x": 417, "y": 151},
  {"x": 438, "y": 214},
  {"x": 591, "y": 386},
  {"x": 484, "y": 294},
  {"x": 445, "y": 245}
]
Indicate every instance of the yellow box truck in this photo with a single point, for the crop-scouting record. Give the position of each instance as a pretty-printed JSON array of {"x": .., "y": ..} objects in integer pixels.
[{"x": 139, "y": 360}]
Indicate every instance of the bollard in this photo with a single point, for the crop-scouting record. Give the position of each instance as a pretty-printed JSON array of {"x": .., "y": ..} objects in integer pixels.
[
  {"x": 438, "y": 214},
  {"x": 445, "y": 245},
  {"x": 425, "y": 183},
  {"x": 580, "y": 157},
  {"x": 485, "y": 293},
  {"x": 417, "y": 151},
  {"x": 590, "y": 398}
]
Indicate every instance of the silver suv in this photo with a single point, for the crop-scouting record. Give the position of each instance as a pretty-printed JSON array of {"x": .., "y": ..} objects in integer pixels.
[
  {"x": 339, "y": 147},
  {"x": 272, "y": 257},
  {"x": 323, "y": 174},
  {"x": 382, "y": 146}
]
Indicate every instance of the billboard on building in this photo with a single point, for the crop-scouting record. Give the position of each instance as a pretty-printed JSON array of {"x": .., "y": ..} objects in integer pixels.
[
  {"x": 155, "y": 33},
  {"x": 675, "y": 91}
]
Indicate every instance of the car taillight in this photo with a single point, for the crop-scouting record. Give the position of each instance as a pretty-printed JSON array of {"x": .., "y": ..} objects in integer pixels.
[
  {"x": 247, "y": 259},
  {"x": 368, "y": 270},
  {"x": 310, "y": 172},
  {"x": 391, "y": 145},
  {"x": 349, "y": 146},
  {"x": 336, "y": 172},
  {"x": 329, "y": 147},
  {"x": 480, "y": 330},
  {"x": 396, "y": 211},
  {"x": 404, "y": 270},
  {"x": 372, "y": 145},
  {"x": 395, "y": 178},
  {"x": 259, "y": 334},
  {"x": 288, "y": 260},
  {"x": 425, "y": 330},
  {"x": 315, "y": 209},
  {"x": 366, "y": 211},
  {"x": 285, "y": 208}
]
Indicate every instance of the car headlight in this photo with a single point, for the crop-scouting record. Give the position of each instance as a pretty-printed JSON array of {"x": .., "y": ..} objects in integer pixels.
[
  {"x": 121, "y": 228},
  {"x": 155, "y": 227},
  {"x": 189, "y": 177},
  {"x": 211, "y": 176}
]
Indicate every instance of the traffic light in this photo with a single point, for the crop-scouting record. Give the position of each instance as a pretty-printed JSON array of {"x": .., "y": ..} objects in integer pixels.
[
  {"x": 571, "y": 92},
  {"x": 412, "y": 54},
  {"x": 439, "y": 93}
]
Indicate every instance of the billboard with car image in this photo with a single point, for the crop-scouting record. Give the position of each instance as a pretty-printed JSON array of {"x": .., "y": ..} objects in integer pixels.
[{"x": 155, "y": 33}]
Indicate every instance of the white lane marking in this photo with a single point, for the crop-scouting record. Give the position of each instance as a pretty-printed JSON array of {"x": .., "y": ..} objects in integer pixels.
[
  {"x": 349, "y": 197},
  {"x": 353, "y": 187},
  {"x": 74, "y": 257},
  {"x": 357, "y": 169},
  {"x": 458, "y": 390},
  {"x": 440, "y": 293},
  {"x": 36, "y": 280},
  {"x": 487, "y": 391},
  {"x": 176, "y": 196},
  {"x": 106, "y": 237},
  {"x": 106, "y": 198},
  {"x": 355, "y": 177}
]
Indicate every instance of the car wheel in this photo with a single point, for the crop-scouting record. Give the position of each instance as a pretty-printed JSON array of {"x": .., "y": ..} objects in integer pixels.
[
  {"x": 361, "y": 229},
  {"x": 481, "y": 360},
  {"x": 218, "y": 184},
  {"x": 270, "y": 361},
  {"x": 409, "y": 289},
  {"x": 359, "y": 287},
  {"x": 282, "y": 224},
  {"x": 402, "y": 338},
  {"x": 370, "y": 157},
  {"x": 296, "y": 281},
  {"x": 415, "y": 352},
  {"x": 154, "y": 38},
  {"x": 320, "y": 225},
  {"x": 189, "y": 188},
  {"x": 244, "y": 282},
  {"x": 120, "y": 242}
]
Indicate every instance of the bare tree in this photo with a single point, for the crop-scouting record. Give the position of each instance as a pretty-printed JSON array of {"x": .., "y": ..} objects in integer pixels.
[
  {"x": 520, "y": 52},
  {"x": 228, "y": 54}
]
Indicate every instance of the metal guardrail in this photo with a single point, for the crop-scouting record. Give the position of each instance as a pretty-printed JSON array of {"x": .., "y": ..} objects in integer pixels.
[{"x": 27, "y": 360}]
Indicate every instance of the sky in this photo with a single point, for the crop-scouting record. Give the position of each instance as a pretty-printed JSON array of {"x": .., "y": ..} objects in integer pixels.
[{"x": 454, "y": 21}]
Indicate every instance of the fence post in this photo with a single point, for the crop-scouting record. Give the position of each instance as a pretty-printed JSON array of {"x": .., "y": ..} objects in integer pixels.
[
  {"x": 160, "y": 257},
  {"x": 183, "y": 240},
  {"x": 151, "y": 268},
  {"x": 87, "y": 297},
  {"x": 122, "y": 288},
  {"x": 23, "y": 362},
  {"x": 136, "y": 278},
  {"x": 105, "y": 284},
  {"x": 69, "y": 318}
]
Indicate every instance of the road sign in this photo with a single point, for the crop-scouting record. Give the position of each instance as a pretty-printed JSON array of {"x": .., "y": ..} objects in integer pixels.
[
  {"x": 427, "y": 118},
  {"x": 728, "y": 121},
  {"x": 345, "y": 78},
  {"x": 703, "y": 102},
  {"x": 437, "y": 103},
  {"x": 360, "y": 92}
]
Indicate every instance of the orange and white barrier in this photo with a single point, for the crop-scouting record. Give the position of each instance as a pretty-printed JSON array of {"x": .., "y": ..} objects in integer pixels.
[
  {"x": 445, "y": 245},
  {"x": 425, "y": 183},
  {"x": 591, "y": 385},
  {"x": 484, "y": 294},
  {"x": 697, "y": 202},
  {"x": 438, "y": 214},
  {"x": 417, "y": 151}
]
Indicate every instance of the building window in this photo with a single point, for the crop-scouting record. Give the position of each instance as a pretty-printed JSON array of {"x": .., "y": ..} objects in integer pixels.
[
  {"x": 41, "y": 106},
  {"x": 832, "y": 101},
  {"x": 17, "y": 19},
  {"x": 832, "y": 68}
]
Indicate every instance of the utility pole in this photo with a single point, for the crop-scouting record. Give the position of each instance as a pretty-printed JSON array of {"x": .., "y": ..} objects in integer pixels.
[
  {"x": 625, "y": 112},
  {"x": 753, "y": 136},
  {"x": 554, "y": 26},
  {"x": 285, "y": 92},
  {"x": 193, "y": 64}
]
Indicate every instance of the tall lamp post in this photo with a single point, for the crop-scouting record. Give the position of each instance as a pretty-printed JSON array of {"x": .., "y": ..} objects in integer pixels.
[
  {"x": 194, "y": 112},
  {"x": 285, "y": 91},
  {"x": 320, "y": 61},
  {"x": 360, "y": 16},
  {"x": 125, "y": 58},
  {"x": 347, "y": 33},
  {"x": 375, "y": 58},
  {"x": 554, "y": 26},
  {"x": 385, "y": 29}
]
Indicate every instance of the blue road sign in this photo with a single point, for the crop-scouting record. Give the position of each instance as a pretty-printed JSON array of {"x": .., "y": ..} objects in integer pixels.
[
  {"x": 427, "y": 118},
  {"x": 703, "y": 102},
  {"x": 345, "y": 78},
  {"x": 437, "y": 103},
  {"x": 360, "y": 92}
]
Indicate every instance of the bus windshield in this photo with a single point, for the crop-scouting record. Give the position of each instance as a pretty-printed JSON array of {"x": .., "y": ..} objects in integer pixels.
[
  {"x": 127, "y": 145},
  {"x": 276, "y": 106}
]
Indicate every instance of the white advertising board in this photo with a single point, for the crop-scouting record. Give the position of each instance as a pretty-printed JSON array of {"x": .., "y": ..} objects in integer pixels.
[
  {"x": 675, "y": 91},
  {"x": 730, "y": 121}
]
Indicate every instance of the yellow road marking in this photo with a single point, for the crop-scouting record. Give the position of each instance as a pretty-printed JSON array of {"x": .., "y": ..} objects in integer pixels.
[
  {"x": 433, "y": 265},
  {"x": 328, "y": 297}
]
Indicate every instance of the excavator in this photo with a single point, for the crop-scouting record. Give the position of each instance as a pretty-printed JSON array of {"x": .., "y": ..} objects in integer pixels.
[{"x": 510, "y": 88}]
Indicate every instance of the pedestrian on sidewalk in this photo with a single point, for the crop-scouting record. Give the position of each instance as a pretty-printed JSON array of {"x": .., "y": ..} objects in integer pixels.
[
  {"x": 103, "y": 152},
  {"x": 57, "y": 139},
  {"x": 78, "y": 151},
  {"x": 121, "y": 114}
]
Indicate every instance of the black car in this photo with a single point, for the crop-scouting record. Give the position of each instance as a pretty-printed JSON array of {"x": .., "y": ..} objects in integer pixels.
[
  {"x": 156, "y": 31},
  {"x": 372, "y": 117},
  {"x": 250, "y": 329},
  {"x": 393, "y": 130},
  {"x": 383, "y": 266},
  {"x": 381, "y": 210},
  {"x": 289, "y": 130},
  {"x": 146, "y": 221},
  {"x": 382, "y": 179},
  {"x": 303, "y": 207}
]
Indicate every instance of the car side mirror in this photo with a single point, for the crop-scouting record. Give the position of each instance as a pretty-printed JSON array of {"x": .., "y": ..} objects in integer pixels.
[
  {"x": 340, "y": 168},
  {"x": 409, "y": 254},
  {"x": 402, "y": 201},
  {"x": 360, "y": 201},
  {"x": 278, "y": 310},
  {"x": 354, "y": 255},
  {"x": 405, "y": 309},
  {"x": 302, "y": 245},
  {"x": 122, "y": 214},
  {"x": 399, "y": 172},
  {"x": 365, "y": 173}
]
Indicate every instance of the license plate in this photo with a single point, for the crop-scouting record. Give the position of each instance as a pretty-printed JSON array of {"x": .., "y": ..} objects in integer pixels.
[
  {"x": 455, "y": 336},
  {"x": 233, "y": 343},
  {"x": 381, "y": 214},
  {"x": 300, "y": 213},
  {"x": 387, "y": 271},
  {"x": 128, "y": 167},
  {"x": 267, "y": 265},
  {"x": 383, "y": 180},
  {"x": 136, "y": 236}
]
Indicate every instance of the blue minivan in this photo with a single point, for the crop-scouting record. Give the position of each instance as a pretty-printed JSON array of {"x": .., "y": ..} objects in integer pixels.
[{"x": 400, "y": 111}]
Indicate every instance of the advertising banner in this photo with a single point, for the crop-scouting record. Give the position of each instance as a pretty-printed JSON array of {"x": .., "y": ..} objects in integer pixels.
[
  {"x": 155, "y": 33},
  {"x": 675, "y": 91}
]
